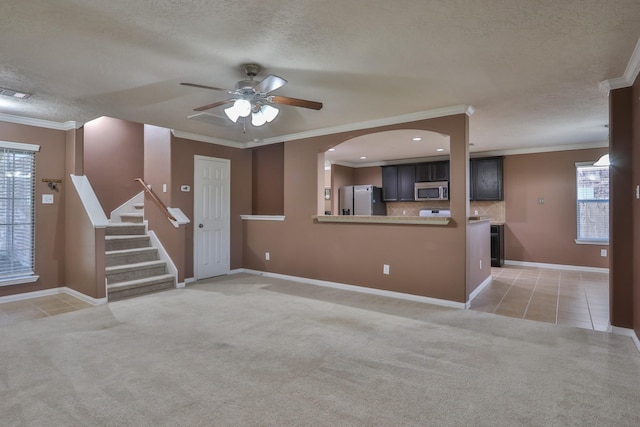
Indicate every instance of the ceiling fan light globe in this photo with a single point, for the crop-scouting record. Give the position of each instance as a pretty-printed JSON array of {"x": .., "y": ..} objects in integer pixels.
[
  {"x": 232, "y": 113},
  {"x": 258, "y": 119},
  {"x": 269, "y": 113},
  {"x": 243, "y": 107}
]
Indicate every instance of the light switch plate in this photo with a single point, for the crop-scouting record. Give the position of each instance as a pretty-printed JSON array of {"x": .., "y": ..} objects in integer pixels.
[
  {"x": 47, "y": 199},
  {"x": 185, "y": 188}
]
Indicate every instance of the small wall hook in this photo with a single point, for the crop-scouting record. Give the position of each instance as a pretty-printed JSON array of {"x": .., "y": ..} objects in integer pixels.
[{"x": 52, "y": 183}]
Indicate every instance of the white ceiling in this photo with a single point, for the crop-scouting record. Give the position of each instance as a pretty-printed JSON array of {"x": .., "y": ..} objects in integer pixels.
[{"x": 531, "y": 70}]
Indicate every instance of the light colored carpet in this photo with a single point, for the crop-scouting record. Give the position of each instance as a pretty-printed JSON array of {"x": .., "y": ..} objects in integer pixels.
[{"x": 251, "y": 351}]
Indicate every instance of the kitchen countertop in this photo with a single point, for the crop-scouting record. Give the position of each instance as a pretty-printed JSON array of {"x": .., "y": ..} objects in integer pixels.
[
  {"x": 474, "y": 219},
  {"x": 381, "y": 219}
]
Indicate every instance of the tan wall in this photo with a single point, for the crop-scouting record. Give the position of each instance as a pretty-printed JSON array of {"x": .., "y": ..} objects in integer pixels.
[
  {"x": 157, "y": 162},
  {"x": 84, "y": 249},
  {"x": 545, "y": 233},
  {"x": 50, "y": 227},
  {"x": 113, "y": 159},
  {"x": 424, "y": 260},
  {"x": 182, "y": 167},
  {"x": 268, "y": 180},
  {"x": 368, "y": 176}
]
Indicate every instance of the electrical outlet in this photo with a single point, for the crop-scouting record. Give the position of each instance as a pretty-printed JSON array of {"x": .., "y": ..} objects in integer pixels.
[
  {"x": 267, "y": 256},
  {"x": 603, "y": 252},
  {"x": 385, "y": 269},
  {"x": 541, "y": 201}
]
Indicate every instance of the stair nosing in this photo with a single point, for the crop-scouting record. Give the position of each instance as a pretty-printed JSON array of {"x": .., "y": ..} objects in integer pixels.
[{"x": 132, "y": 250}]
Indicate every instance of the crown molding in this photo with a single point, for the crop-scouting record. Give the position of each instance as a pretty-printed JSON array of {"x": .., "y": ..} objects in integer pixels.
[
  {"x": 39, "y": 122},
  {"x": 209, "y": 139},
  {"x": 543, "y": 149},
  {"x": 630, "y": 74},
  {"x": 406, "y": 118}
]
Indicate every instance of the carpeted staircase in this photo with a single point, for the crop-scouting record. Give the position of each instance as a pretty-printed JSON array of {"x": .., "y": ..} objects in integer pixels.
[{"x": 133, "y": 266}]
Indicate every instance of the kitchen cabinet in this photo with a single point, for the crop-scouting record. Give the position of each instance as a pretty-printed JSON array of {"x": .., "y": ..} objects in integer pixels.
[
  {"x": 398, "y": 183},
  {"x": 497, "y": 245},
  {"x": 486, "y": 179},
  {"x": 432, "y": 171}
]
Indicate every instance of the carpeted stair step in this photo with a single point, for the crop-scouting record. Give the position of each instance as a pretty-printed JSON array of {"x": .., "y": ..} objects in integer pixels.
[
  {"x": 123, "y": 273},
  {"x": 116, "y": 243},
  {"x": 125, "y": 229},
  {"x": 130, "y": 256},
  {"x": 132, "y": 217},
  {"x": 131, "y": 288},
  {"x": 138, "y": 206}
]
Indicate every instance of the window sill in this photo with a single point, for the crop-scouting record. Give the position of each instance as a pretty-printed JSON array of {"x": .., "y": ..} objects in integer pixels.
[
  {"x": 18, "y": 280},
  {"x": 592, "y": 242}
]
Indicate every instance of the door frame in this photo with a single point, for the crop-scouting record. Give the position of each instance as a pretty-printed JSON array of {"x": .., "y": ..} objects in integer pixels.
[{"x": 227, "y": 162}]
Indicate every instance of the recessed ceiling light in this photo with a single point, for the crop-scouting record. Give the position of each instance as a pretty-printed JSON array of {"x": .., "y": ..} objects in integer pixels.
[
  {"x": 332, "y": 149},
  {"x": 363, "y": 157},
  {"x": 416, "y": 138},
  {"x": 439, "y": 149}
]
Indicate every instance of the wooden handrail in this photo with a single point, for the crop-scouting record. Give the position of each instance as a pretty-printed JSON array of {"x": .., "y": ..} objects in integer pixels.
[{"x": 157, "y": 201}]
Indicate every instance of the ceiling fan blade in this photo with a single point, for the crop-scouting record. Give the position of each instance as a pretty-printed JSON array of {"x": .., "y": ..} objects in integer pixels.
[
  {"x": 205, "y": 87},
  {"x": 270, "y": 83},
  {"x": 295, "y": 102},
  {"x": 214, "y": 105}
]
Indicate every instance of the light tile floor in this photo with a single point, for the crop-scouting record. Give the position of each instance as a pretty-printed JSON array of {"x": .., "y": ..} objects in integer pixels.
[
  {"x": 562, "y": 297},
  {"x": 34, "y": 308}
]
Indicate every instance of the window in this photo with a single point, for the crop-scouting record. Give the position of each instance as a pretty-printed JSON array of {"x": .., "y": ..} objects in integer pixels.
[
  {"x": 592, "y": 203},
  {"x": 17, "y": 212}
]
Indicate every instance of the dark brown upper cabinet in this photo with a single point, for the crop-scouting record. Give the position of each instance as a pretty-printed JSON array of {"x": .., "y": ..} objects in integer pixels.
[
  {"x": 486, "y": 179},
  {"x": 432, "y": 171},
  {"x": 398, "y": 183}
]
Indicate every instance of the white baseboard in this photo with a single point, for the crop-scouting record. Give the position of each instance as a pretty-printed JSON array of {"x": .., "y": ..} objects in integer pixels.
[
  {"x": 54, "y": 291},
  {"x": 627, "y": 333},
  {"x": 557, "y": 266},
  {"x": 477, "y": 290},
  {"x": 361, "y": 289}
]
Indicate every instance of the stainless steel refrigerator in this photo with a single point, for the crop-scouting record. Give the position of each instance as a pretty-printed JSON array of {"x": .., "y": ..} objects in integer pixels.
[{"x": 361, "y": 200}]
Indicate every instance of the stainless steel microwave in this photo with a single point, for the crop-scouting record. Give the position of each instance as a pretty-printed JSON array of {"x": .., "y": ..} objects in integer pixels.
[{"x": 437, "y": 190}]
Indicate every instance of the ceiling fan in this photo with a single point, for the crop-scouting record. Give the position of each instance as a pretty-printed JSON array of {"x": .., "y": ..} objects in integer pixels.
[{"x": 252, "y": 98}]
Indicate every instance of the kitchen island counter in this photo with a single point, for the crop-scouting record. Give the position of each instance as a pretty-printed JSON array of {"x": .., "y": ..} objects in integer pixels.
[{"x": 382, "y": 219}]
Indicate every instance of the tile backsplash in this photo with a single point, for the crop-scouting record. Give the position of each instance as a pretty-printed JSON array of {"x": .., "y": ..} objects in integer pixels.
[{"x": 493, "y": 210}]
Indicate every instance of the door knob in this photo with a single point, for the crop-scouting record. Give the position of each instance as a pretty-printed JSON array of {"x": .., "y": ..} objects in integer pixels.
[{"x": 200, "y": 225}]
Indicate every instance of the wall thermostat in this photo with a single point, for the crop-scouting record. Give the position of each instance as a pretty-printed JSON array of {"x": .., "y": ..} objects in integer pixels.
[{"x": 185, "y": 188}]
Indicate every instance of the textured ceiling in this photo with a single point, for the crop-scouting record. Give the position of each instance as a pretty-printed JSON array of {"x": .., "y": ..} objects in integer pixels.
[{"x": 529, "y": 68}]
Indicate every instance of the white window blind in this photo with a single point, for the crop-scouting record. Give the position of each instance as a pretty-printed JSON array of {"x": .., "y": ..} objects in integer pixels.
[
  {"x": 592, "y": 203},
  {"x": 17, "y": 210}
]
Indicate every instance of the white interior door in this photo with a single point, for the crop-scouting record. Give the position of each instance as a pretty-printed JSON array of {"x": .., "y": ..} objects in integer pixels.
[{"x": 212, "y": 183}]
